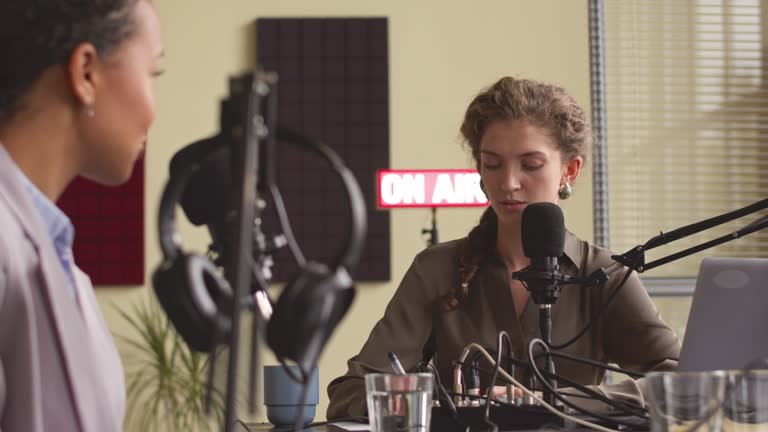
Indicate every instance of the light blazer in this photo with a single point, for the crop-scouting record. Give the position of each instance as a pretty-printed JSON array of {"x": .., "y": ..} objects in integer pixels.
[{"x": 59, "y": 369}]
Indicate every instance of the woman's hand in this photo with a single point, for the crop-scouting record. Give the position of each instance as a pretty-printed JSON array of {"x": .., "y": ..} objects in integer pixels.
[{"x": 499, "y": 391}]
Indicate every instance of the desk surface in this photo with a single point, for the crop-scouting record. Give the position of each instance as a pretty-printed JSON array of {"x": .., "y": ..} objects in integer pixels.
[{"x": 266, "y": 427}]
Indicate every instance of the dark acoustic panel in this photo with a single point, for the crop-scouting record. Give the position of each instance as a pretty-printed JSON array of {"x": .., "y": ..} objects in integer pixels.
[
  {"x": 109, "y": 228},
  {"x": 334, "y": 86}
]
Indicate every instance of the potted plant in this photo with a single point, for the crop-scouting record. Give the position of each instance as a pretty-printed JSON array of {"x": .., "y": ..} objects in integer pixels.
[{"x": 165, "y": 380}]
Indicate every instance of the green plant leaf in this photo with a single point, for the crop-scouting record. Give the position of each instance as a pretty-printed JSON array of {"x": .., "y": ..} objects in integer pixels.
[{"x": 165, "y": 379}]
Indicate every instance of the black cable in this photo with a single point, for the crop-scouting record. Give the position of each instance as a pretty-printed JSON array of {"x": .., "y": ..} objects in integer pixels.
[
  {"x": 590, "y": 362},
  {"x": 444, "y": 396},
  {"x": 243, "y": 424},
  {"x": 299, "y": 379},
  {"x": 285, "y": 225},
  {"x": 298, "y": 424},
  {"x": 303, "y": 379},
  {"x": 625, "y": 407},
  {"x": 628, "y": 407},
  {"x": 595, "y": 317},
  {"x": 489, "y": 393},
  {"x": 502, "y": 401},
  {"x": 350, "y": 254},
  {"x": 559, "y": 397}
]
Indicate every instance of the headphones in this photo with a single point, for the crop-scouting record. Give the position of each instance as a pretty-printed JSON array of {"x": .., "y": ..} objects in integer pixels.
[
  {"x": 196, "y": 296},
  {"x": 190, "y": 288},
  {"x": 314, "y": 301}
]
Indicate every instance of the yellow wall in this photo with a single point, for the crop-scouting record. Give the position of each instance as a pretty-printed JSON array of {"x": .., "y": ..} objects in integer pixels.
[{"x": 441, "y": 54}]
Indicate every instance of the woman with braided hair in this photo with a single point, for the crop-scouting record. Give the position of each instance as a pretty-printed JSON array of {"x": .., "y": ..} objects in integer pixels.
[{"x": 529, "y": 140}]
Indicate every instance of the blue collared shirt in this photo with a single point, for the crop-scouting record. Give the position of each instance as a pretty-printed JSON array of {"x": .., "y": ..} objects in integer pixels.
[{"x": 60, "y": 228}]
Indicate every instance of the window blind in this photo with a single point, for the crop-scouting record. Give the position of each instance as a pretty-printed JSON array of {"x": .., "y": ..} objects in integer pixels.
[{"x": 687, "y": 122}]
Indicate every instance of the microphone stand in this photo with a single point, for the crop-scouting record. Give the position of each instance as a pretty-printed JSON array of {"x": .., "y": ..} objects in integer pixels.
[
  {"x": 545, "y": 298},
  {"x": 432, "y": 231},
  {"x": 635, "y": 257},
  {"x": 545, "y": 327},
  {"x": 246, "y": 129}
]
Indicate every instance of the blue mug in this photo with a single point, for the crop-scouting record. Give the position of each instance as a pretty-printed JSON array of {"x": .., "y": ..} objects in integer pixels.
[{"x": 282, "y": 396}]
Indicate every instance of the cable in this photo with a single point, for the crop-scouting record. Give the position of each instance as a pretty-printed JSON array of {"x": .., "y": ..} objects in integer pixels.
[
  {"x": 489, "y": 393},
  {"x": 444, "y": 396},
  {"x": 595, "y": 363},
  {"x": 626, "y": 407},
  {"x": 299, "y": 379},
  {"x": 350, "y": 254},
  {"x": 543, "y": 403},
  {"x": 595, "y": 317},
  {"x": 559, "y": 397},
  {"x": 303, "y": 379},
  {"x": 285, "y": 224},
  {"x": 243, "y": 424},
  {"x": 588, "y": 393},
  {"x": 298, "y": 424}
]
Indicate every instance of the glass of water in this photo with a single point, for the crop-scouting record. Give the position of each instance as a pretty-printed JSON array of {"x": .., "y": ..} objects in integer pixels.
[
  {"x": 686, "y": 401},
  {"x": 746, "y": 401},
  {"x": 399, "y": 403}
]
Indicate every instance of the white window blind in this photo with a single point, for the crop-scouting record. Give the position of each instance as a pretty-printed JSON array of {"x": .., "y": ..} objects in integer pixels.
[{"x": 687, "y": 122}]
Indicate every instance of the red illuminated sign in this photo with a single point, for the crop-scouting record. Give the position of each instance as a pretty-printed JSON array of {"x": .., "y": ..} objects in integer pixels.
[{"x": 429, "y": 188}]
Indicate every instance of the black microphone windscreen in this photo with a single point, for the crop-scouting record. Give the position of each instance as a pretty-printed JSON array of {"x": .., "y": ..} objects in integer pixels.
[
  {"x": 205, "y": 197},
  {"x": 543, "y": 230}
]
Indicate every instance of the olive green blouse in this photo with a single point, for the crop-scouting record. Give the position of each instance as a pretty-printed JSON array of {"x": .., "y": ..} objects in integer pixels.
[{"x": 630, "y": 332}]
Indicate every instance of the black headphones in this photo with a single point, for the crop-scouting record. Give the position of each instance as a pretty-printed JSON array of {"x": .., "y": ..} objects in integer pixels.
[
  {"x": 315, "y": 300},
  {"x": 190, "y": 288},
  {"x": 195, "y": 295}
]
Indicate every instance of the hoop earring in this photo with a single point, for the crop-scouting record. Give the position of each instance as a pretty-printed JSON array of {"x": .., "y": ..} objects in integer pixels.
[{"x": 565, "y": 191}]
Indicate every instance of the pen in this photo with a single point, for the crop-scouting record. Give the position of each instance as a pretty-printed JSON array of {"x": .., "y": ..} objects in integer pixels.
[{"x": 395, "y": 362}]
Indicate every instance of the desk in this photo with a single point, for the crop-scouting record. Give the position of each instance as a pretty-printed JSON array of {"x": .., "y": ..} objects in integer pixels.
[{"x": 266, "y": 427}]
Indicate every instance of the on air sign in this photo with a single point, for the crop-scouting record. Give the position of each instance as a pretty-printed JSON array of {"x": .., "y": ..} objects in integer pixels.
[{"x": 429, "y": 188}]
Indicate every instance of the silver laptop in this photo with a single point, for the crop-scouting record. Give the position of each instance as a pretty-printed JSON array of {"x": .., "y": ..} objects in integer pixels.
[{"x": 728, "y": 323}]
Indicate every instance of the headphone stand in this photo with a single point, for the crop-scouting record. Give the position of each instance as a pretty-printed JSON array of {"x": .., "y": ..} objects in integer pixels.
[{"x": 258, "y": 120}]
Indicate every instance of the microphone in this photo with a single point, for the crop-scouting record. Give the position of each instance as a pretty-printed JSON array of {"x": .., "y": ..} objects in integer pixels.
[{"x": 543, "y": 235}]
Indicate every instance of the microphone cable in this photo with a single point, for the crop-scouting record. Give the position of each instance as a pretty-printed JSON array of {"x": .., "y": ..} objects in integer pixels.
[
  {"x": 285, "y": 225},
  {"x": 626, "y": 408},
  {"x": 623, "y": 406},
  {"x": 503, "y": 336},
  {"x": 443, "y": 394},
  {"x": 591, "y": 362},
  {"x": 593, "y": 319},
  {"x": 541, "y": 401},
  {"x": 545, "y": 383}
]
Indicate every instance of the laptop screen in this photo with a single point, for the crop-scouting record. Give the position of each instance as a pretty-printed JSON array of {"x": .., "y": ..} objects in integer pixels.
[{"x": 728, "y": 323}]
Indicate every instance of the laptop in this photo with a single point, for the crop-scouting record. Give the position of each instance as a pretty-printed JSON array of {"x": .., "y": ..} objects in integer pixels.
[{"x": 728, "y": 322}]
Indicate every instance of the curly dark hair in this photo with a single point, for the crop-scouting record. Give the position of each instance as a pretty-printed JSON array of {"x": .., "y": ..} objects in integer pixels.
[
  {"x": 544, "y": 105},
  {"x": 37, "y": 34}
]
